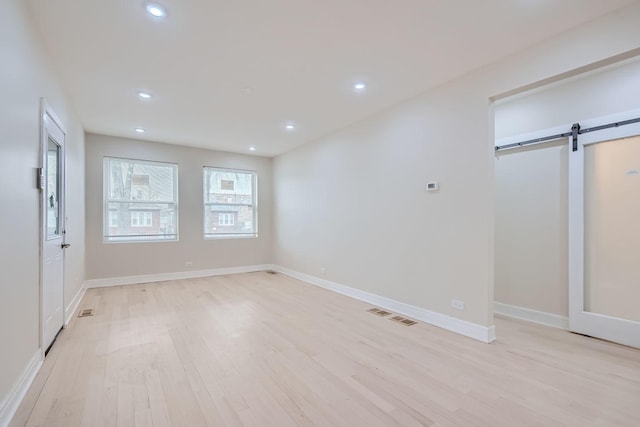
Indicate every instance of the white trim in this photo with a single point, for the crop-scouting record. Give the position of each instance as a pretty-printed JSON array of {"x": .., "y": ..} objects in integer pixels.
[
  {"x": 230, "y": 236},
  {"x": 535, "y": 316},
  {"x": 163, "y": 277},
  {"x": 10, "y": 404},
  {"x": 73, "y": 305},
  {"x": 462, "y": 327},
  {"x": 46, "y": 109},
  {"x": 576, "y": 236}
]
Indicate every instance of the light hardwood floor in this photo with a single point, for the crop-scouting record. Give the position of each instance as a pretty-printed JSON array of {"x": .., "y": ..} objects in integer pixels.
[{"x": 267, "y": 350}]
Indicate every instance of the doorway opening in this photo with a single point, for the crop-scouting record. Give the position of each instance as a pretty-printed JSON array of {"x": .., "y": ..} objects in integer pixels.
[
  {"x": 51, "y": 183},
  {"x": 533, "y": 266}
]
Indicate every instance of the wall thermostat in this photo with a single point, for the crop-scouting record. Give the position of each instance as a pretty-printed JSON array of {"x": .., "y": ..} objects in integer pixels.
[{"x": 432, "y": 186}]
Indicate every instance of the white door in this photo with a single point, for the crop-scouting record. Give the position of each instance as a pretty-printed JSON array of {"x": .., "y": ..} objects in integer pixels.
[
  {"x": 604, "y": 235},
  {"x": 53, "y": 223}
]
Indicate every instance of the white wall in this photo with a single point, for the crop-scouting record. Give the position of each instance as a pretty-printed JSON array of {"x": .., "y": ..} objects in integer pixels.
[
  {"x": 531, "y": 247},
  {"x": 354, "y": 202},
  {"x": 109, "y": 260},
  {"x": 25, "y": 76}
]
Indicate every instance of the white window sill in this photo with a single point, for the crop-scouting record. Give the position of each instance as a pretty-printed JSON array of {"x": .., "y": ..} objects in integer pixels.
[
  {"x": 231, "y": 236},
  {"x": 167, "y": 240}
]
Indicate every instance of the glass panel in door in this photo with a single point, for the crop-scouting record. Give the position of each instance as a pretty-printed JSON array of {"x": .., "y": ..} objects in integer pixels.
[
  {"x": 53, "y": 190},
  {"x": 612, "y": 228}
]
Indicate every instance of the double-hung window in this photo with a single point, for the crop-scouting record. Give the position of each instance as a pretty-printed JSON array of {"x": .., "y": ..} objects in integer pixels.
[
  {"x": 230, "y": 203},
  {"x": 140, "y": 200}
]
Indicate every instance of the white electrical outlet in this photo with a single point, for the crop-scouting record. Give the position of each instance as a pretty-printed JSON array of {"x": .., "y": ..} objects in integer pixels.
[
  {"x": 188, "y": 264},
  {"x": 457, "y": 304},
  {"x": 323, "y": 270}
]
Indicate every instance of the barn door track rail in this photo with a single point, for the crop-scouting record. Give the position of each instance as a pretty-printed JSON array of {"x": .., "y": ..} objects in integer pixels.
[{"x": 574, "y": 132}]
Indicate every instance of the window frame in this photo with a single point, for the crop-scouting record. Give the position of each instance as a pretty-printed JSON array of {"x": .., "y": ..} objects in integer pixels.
[
  {"x": 206, "y": 204},
  {"x": 107, "y": 238}
]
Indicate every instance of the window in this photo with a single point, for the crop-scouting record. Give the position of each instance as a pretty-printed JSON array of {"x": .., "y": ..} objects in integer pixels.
[
  {"x": 140, "y": 200},
  {"x": 141, "y": 219},
  {"x": 229, "y": 203},
  {"x": 226, "y": 218},
  {"x": 113, "y": 219}
]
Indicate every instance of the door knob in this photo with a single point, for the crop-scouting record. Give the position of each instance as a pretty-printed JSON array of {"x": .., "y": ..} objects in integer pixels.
[{"x": 65, "y": 245}]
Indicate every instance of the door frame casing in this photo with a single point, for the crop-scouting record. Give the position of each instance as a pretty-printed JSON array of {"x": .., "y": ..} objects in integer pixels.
[
  {"x": 46, "y": 110},
  {"x": 581, "y": 321}
]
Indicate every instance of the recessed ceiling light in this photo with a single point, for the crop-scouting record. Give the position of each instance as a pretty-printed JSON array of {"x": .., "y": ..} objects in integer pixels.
[
  {"x": 144, "y": 95},
  {"x": 139, "y": 130},
  {"x": 289, "y": 126},
  {"x": 359, "y": 86},
  {"x": 156, "y": 10},
  {"x": 252, "y": 148}
]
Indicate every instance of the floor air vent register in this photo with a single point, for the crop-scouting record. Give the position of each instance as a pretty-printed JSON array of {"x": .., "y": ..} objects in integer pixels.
[
  {"x": 403, "y": 321},
  {"x": 397, "y": 319},
  {"x": 86, "y": 313},
  {"x": 379, "y": 312}
]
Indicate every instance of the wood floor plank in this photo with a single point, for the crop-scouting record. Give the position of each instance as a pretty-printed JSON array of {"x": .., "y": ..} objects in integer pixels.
[{"x": 267, "y": 350}]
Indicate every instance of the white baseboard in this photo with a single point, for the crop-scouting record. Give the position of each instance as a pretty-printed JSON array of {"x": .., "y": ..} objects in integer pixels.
[
  {"x": 71, "y": 308},
  {"x": 163, "y": 277},
  {"x": 541, "y": 317},
  {"x": 462, "y": 327},
  {"x": 10, "y": 404}
]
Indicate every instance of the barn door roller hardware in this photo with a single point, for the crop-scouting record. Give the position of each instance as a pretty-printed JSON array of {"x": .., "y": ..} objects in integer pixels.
[{"x": 575, "y": 131}]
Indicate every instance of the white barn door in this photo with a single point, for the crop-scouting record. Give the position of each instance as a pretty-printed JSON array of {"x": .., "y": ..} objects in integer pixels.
[{"x": 604, "y": 235}]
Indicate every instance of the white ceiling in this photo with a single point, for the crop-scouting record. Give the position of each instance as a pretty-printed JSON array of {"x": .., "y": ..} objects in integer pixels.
[{"x": 228, "y": 74}]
